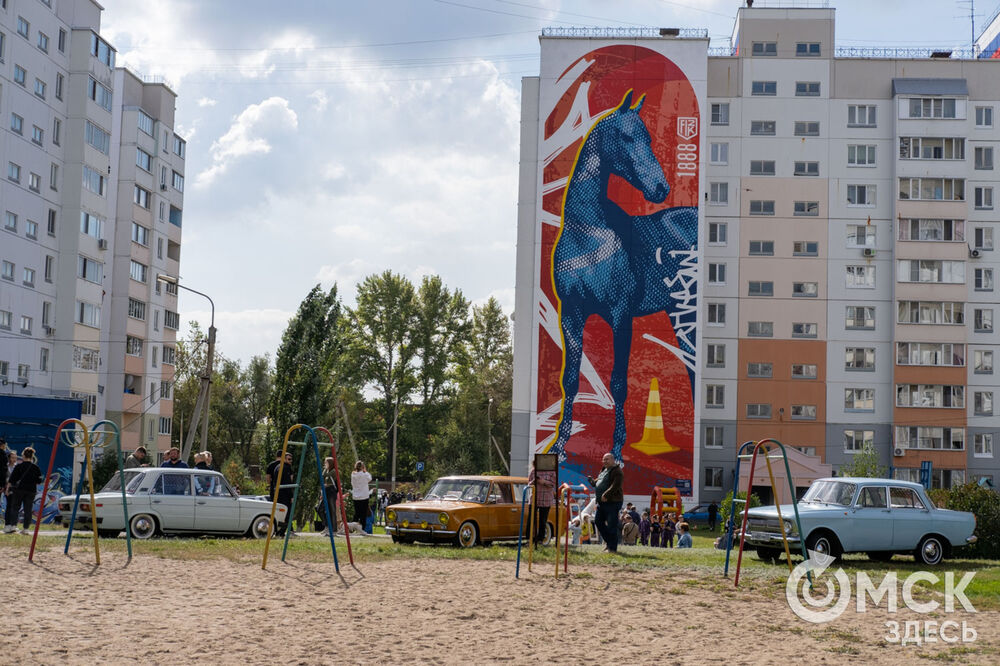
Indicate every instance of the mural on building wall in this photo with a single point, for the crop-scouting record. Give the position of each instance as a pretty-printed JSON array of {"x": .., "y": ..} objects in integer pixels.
[{"x": 618, "y": 257}]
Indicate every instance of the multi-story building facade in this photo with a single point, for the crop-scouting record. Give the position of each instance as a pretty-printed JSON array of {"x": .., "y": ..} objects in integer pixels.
[
  {"x": 75, "y": 129},
  {"x": 847, "y": 255}
]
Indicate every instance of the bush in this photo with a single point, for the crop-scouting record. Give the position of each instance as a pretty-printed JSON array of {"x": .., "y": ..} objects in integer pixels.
[
  {"x": 985, "y": 504},
  {"x": 727, "y": 502}
]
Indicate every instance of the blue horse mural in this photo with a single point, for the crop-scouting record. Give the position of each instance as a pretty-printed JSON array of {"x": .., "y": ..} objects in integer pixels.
[{"x": 615, "y": 265}]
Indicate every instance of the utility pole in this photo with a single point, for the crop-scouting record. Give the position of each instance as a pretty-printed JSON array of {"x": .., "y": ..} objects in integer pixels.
[
  {"x": 395, "y": 431},
  {"x": 489, "y": 435}
]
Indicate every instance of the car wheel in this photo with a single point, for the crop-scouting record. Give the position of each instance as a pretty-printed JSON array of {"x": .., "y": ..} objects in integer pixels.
[
  {"x": 930, "y": 551},
  {"x": 468, "y": 534},
  {"x": 107, "y": 534},
  {"x": 768, "y": 554},
  {"x": 823, "y": 543},
  {"x": 880, "y": 555},
  {"x": 143, "y": 526},
  {"x": 260, "y": 527}
]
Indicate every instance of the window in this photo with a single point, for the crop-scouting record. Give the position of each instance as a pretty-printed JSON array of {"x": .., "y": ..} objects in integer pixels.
[
  {"x": 720, "y": 113},
  {"x": 861, "y": 195},
  {"x": 90, "y": 270},
  {"x": 931, "y": 312},
  {"x": 760, "y": 288},
  {"x": 99, "y": 94},
  {"x": 807, "y": 88},
  {"x": 145, "y": 123},
  {"x": 861, "y": 115},
  {"x": 94, "y": 181},
  {"x": 758, "y": 410},
  {"x": 86, "y": 359},
  {"x": 20, "y": 75},
  {"x": 43, "y": 41},
  {"x": 807, "y": 49},
  {"x": 715, "y": 395},
  {"x": 859, "y": 400},
  {"x": 715, "y": 356},
  {"x": 140, "y": 234},
  {"x": 31, "y": 229},
  {"x": 983, "y": 319},
  {"x": 169, "y": 355},
  {"x": 59, "y": 86},
  {"x": 760, "y": 370},
  {"x": 716, "y": 314},
  {"x": 855, "y": 440},
  {"x": 16, "y": 124},
  {"x": 932, "y": 107},
  {"x": 982, "y": 403},
  {"x": 984, "y": 157},
  {"x": 28, "y": 277},
  {"x": 141, "y": 197},
  {"x": 984, "y": 116},
  {"x": 5, "y": 323},
  {"x": 806, "y": 169},
  {"x": 763, "y": 127},
  {"x": 137, "y": 271},
  {"x": 165, "y": 390},
  {"x": 175, "y": 216},
  {"x": 717, "y": 233},
  {"x": 764, "y": 49},
  {"x": 860, "y": 235},
  {"x": 713, "y": 478},
  {"x": 931, "y": 230},
  {"x": 34, "y": 182},
  {"x": 3, "y": 44},
  {"x": 982, "y": 445},
  {"x": 861, "y": 155},
  {"x": 714, "y": 437},
  {"x": 859, "y": 358},
  {"x": 143, "y": 160},
  {"x": 982, "y": 362},
  {"x": 929, "y": 437},
  {"x": 761, "y": 167},
  {"x": 14, "y": 172},
  {"x": 803, "y": 412},
  {"x": 136, "y": 309},
  {"x": 54, "y": 176},
  {"x": 860, "y": 277},
  {"x": 805, "y": 248},
  {"x": 159, "y": 248},
  {"x": 156, "y": 319},
  {"x": 40, "y": 88},
  {"x": 10, "y": 221},
  {"x": 7, "y": 271},
  {"x": 62, "y": 40},
  {"x": 930, "y": 395},
  {"x": 50, "y": 267},
  {"x": 982, "y": 238},
  {"x": 46, "y": 313},
  {"x": 23, "y": 27},
  {"x": 133, "y": 346},
  {"x": 23, "y": 370},
  {"x": 52, "y": 222},
  {"x": 718, "y": 194},
  {"x": 983, "y": 198},
  {"x": 56, "y": 130},
  {"x": 88, "y": 314},
  {"x": 806, "y": 209},
  {"x": 91, "y": 225},
  {"x": 760, "y": 329},
  {"x": 762, "y": 207},
  {"x": 101, "y": 50},
  {"x": 984, "y": 279},
  {"x": 806, "y": 128},
  {"x": 165, "y": 424},
  {"x": 761, "y": 248},
  {"x": 26, "y": 323},
  {"x": 805, "y": 289},
  {"x": 719, "y": 153},
  {"x": 930, "y": 270},
  {"x": 767, "y": 88},
  {"x": 805, "y": 330},
  {"x": 717, "y": 274},
  {"x": 930, "y": 354},
  {"x": 171, "y": 320},
  {"x": 37, "y": 135},
  {"x": 180, "y": 146}
]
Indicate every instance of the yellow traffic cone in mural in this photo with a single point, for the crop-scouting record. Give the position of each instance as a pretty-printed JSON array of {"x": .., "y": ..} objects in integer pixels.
[{"x": 653, "y": 442}]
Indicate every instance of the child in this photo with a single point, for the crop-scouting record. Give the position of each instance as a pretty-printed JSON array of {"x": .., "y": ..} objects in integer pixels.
[
  {"x": 667, "y": 536},
  {"x": 684, "y": 541},
  {"x": 654, "y": 532},
  {"x": 644, "y": 529}
]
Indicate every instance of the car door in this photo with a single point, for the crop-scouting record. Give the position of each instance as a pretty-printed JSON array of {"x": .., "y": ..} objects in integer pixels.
[
  {"x": 216, "y": 508},
  {"x": 909, "y": 518},
  {"x": 508, "y": 512},
  {"x": 871, "y": 521},
  {"x": 171, "y": 499}
]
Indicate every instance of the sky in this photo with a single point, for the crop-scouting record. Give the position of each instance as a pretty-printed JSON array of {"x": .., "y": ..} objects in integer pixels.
[{"x": 329, "y": 140}]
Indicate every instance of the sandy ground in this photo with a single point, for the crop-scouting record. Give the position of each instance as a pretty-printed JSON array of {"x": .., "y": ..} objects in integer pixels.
[{"x": 161, "y": 611}]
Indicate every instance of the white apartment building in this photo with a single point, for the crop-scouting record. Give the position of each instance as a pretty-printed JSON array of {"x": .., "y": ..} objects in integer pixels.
[{"x": 91, "y": 207}]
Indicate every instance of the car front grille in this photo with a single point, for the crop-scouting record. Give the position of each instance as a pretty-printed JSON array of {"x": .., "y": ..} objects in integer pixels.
[{"x": 417, "y": 517}]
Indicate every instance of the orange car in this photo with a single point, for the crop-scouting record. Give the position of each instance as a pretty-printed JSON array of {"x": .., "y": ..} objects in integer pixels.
[{"x": 466, "y": 510}]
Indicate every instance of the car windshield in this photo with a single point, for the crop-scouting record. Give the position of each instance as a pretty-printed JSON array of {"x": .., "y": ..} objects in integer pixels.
[
  {"x": 830, "y": 492},
  {"x": 466, "y": 490},
  {"x": 114, "y": 483}
]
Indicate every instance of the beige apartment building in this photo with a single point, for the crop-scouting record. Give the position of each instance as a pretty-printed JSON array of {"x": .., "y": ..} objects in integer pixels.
[{"x": 92, "y": 203}]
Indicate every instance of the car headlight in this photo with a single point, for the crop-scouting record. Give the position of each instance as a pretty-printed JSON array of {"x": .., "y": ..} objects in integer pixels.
[
  {"x": 443, "y": 518},
  {"x": 789, "y": 527},
  {"x": 423, "y": 525},
  {"x": 390, "y": 515},
  {"x": 406, "y": 523}
]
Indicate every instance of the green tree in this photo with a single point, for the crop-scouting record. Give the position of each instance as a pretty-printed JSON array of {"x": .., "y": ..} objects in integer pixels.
[{"x": 865, "y": 463}]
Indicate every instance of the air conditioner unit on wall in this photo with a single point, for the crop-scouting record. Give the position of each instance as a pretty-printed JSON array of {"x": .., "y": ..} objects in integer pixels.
[
  {"x": 973, "y": 252},
  {"x": 899, "y": 451},
  {"x": 868, "y": 252},
  {"x": 102, "y": 244},
  {"x": 49, "y": 331}
]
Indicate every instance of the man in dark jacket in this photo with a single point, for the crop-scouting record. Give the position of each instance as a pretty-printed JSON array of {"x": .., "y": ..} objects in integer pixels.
[
  {"x": 22, "y": 484},
  {"x": 608, "y": 489}
]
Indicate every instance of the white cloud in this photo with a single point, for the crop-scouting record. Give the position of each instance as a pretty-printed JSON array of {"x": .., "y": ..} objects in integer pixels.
[
  {"x": 248, "y": 135},
  {"x": 346, "y": 275},
  {"x": 207, "y": 101},
  {"x": 241, "y": 334},
  {"x": 320, "y": 100}
]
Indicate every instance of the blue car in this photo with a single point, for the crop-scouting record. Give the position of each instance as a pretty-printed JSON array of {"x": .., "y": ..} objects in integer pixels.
[{"x": 880, "y": 517}]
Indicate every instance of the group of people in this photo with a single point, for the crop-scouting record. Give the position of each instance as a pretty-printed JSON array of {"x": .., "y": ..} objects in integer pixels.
[
  {"x": 19, "y": 479},
  {"x": 649, "y": 530}
]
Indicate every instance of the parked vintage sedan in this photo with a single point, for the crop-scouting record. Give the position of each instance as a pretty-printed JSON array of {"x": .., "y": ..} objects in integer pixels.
[
  {"x": 465, "y": 510},
  {"x": 165, "y": 500},
  {"x": 880, "y": 517}
]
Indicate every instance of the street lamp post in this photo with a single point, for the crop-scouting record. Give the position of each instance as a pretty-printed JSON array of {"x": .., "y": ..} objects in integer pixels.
[{"x": 201, "y": 406}]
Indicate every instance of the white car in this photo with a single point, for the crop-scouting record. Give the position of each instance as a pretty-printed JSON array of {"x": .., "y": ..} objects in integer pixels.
[{"x": 166, "y": 500}]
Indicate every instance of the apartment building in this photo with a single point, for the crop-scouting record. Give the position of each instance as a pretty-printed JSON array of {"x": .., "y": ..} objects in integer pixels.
[
  {"x": 846, "y": 290},
  {"x": 87, "y": 225}
]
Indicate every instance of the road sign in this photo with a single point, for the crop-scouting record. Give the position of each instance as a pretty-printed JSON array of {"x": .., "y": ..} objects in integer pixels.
[{"x": 420, "y": 467}]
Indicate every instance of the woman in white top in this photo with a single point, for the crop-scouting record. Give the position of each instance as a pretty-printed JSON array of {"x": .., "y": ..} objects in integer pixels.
[{"x": 360, "y": 478}]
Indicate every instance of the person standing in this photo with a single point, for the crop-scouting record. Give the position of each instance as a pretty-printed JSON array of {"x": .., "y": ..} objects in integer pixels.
[
  {"x": 3, "y": 472},
  {"x": 330, "y": 488},
  {"x": 713, "y": 515},
  {"x": 136, "y": 459},
  {"x": 22, "y": 486},
  {"x": 208, "y": 461},
  {"x": 360, "y": 492},
  {"x": 608, "y": 488},
  {"x": 545, "y": 487},
  {"x": 285, "y": 495},
  {"x": 174, "y": 459}
]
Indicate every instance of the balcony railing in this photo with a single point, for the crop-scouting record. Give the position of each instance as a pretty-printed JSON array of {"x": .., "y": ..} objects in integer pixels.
[{"x": 625, "y": 32}]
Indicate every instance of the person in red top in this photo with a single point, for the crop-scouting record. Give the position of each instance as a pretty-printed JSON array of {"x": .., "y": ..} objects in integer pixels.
[{"x": 545, "y": 487}]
